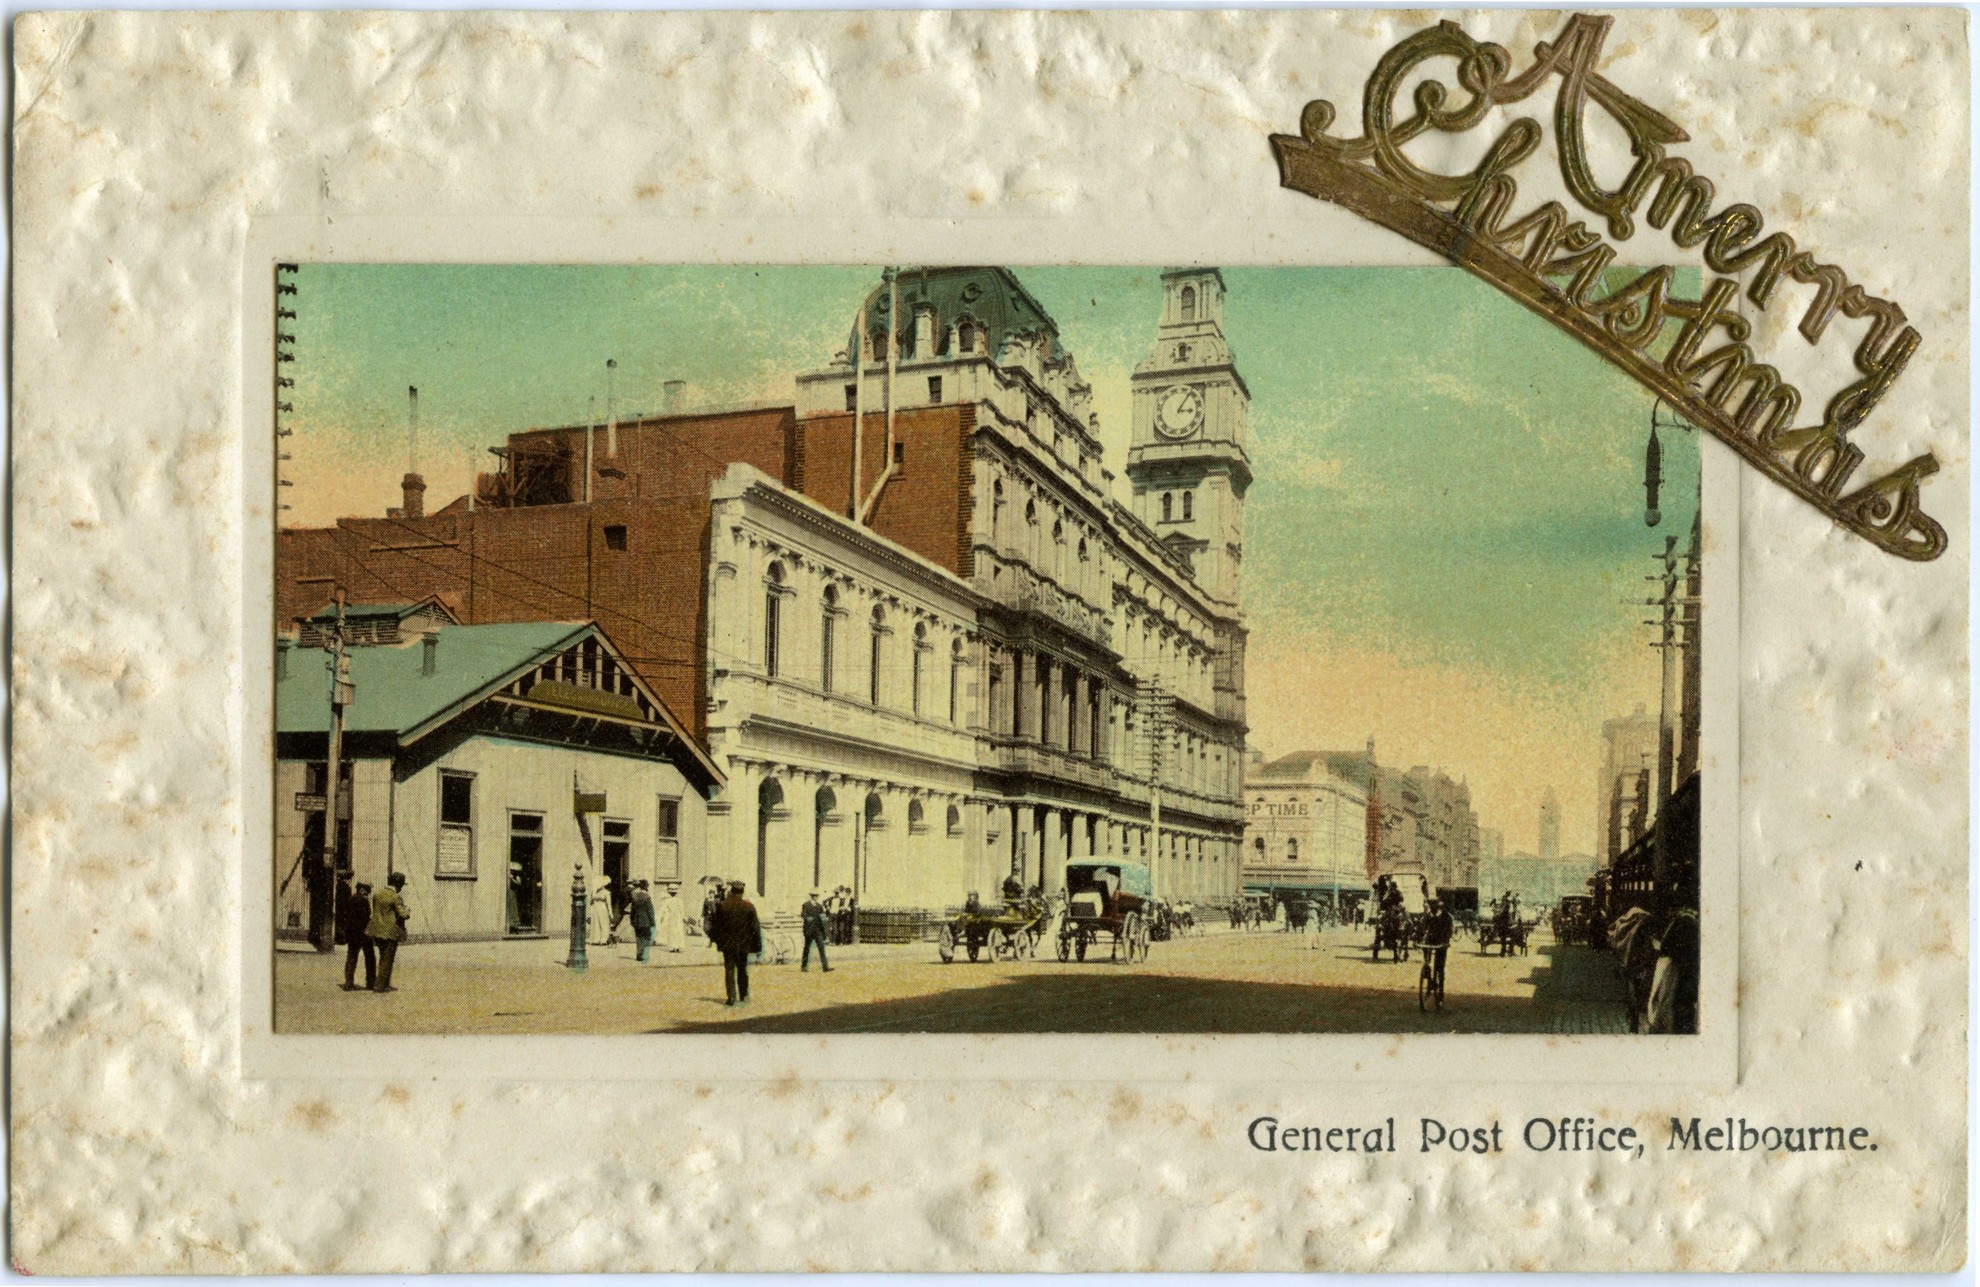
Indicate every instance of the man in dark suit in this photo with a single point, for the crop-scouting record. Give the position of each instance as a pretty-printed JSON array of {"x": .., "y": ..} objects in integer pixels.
[
  {"x": 735, "y": 929},
  {"x": 354, "y": 918}
]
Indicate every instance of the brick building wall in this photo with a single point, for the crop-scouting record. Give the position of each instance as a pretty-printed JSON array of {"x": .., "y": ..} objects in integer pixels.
[
  {"x": 925, "y": 507},
  {"x": 634, "y": 560}
]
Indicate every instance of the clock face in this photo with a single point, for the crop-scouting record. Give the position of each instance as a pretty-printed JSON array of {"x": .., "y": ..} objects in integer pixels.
[{"x": 1180, "y": 413}]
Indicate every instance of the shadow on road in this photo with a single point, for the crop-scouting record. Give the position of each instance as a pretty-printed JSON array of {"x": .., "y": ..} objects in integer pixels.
[{"x": 1117, "y": 1002}]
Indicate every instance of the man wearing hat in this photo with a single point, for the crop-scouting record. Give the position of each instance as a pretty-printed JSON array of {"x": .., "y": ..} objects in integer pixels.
[
  {"x": 815, "y": 922},
  {"x": 639, "y": 910},
  {"x": 733, "y": 927}
]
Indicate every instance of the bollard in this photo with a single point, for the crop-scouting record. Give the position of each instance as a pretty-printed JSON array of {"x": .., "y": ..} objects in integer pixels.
[{"x": 577, "y": 961}]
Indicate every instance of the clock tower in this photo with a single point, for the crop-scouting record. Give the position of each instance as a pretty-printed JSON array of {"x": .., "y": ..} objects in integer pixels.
[{"x": 1186, "y": 458}]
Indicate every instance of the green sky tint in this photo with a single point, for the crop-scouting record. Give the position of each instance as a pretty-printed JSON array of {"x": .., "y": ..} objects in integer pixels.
[{"x": 1447, "y": 488}]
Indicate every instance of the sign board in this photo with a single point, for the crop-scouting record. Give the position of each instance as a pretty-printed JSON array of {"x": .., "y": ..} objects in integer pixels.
[
  {"x": 456, "y": 851},
  {"x": 313, "y": 802},
  {"x": 587, "y": 802}
]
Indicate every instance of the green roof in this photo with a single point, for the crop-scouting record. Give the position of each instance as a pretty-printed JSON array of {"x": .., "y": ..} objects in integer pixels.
[
  {"x": 392, "y": 696},
  {"x": 992, "y": 297}
]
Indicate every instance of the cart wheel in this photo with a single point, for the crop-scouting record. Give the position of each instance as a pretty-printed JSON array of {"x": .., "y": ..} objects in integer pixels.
[
  {"x": 1142, "y": 940},
  {"x": 1423, "y": 988},
  {"x": 945, "y": 944},
  {"x": 1079, "y": 948}
]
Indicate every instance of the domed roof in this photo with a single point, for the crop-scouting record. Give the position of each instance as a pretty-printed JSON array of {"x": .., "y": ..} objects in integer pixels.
[{"x": 992, "y": 298}]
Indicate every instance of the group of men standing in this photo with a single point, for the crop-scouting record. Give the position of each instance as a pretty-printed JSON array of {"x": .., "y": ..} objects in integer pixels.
[{"x": 373, "y": 925}]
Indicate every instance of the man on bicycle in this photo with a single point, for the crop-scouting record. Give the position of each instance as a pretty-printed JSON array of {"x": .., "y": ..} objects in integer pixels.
[{"x": 1436, "y": 939}]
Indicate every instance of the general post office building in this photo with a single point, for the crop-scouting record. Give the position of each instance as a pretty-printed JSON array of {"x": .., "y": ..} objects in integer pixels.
[{"x": 921, "y": 657}]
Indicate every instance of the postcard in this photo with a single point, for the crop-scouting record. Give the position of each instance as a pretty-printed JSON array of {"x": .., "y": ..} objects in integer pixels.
[{"x": 863, "y": 641}]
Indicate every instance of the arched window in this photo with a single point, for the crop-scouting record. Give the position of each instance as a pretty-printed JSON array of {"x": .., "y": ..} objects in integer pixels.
[
  {"x": 827, "y": 625},
  {"x": 1189, "y": 303},
  {"x": 917, "y": 816},
  {"x": 1292, "y": 849},
  {"x": 955, "y": 679},
  {"x": 873, "y": 660},
  {"x": 1082, "y": 549},
  {"x": 1259, "y": 846},
  {"x": 1189, "y": 506},
  {"x": 1168, "y": 507},
  {"x": 966, "y": 335},
  {"x": 997, "y": 513},
  {"x": 773, "y": 595},
  {"x": 877, "y": 342},
  {"x": 920, "y": 651}
]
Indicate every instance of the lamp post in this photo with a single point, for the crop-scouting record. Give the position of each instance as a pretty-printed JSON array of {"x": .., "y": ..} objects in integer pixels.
[{"x": 577, "y": 960}]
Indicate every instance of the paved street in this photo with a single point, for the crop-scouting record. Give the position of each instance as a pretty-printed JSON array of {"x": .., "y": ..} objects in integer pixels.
[{"x": 1268, "y": 981}]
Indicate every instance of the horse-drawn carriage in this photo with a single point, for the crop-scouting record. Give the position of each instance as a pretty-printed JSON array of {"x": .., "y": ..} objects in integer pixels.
[
  {"x": 1397, "y": 920},
  {"x": 1167, "y": 920},
  {"x": 1107, "y": 899},
  {"x": 1574, "y": 920},
  {"x": 1503, "y": 929},
  {"x": 1009, "y": 932},
  {"x": 1461, "y": 901}
]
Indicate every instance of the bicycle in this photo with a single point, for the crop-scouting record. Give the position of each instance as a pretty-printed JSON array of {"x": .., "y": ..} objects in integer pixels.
[{"x": 1430, "y": 982}]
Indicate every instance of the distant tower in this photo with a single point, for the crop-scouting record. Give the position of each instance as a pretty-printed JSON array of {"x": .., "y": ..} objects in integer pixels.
[
  {"x": 1550, "y": 827},
  {"x": 1186, "y": 455}
]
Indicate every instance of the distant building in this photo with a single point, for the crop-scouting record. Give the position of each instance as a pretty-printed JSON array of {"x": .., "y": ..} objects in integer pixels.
[
  {"x": 1306, "y": 825},
  {"x": 1491, "y": 844},
  {"x": 461, "y": 754},
  {"x": 1629, "y": 745},
  {"x": 1415, "y": 823},
  {"x": 1538, "y": 883},
  {"x": 1550, "y": 827}
]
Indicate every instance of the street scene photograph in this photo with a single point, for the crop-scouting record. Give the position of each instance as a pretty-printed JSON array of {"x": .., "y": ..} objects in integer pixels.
[{"x": 961, "y": 649}]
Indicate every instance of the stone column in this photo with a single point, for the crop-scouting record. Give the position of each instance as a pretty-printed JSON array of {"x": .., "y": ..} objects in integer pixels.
[{"x": 1057, "y": 839}]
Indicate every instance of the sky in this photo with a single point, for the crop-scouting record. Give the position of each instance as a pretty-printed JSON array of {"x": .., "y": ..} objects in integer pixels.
[{"x": 1446, "y": 519}]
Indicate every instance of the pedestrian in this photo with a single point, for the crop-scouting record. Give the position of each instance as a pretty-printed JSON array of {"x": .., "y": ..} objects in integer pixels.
[
  {"x": 639, "y": 910},
  {"x": 389, "y": 915},
  {"x": 813, "y": 912},
  {"x": 738, "y": 933},
  {"x": 598, "y": 916},
  {"x": 670, "y": 923},
  {"x": 354, "y": 918}
]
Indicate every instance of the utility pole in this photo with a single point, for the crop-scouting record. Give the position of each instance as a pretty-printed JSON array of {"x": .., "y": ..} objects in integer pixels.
[
  {"x": 322, "y": 895},
  {"x": 1667, "y": 714}
]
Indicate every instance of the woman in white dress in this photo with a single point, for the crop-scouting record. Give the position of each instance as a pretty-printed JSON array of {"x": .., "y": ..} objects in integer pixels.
[
  {"x": 669, "y": 928},
  {"x": 598, "y": 918}
]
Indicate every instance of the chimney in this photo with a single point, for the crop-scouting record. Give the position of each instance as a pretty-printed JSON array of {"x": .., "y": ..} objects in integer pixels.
[
  {"x": 429, "y": 653},
  {"x": 413, "y": 488},
  {"x": 673, "y": 396}
]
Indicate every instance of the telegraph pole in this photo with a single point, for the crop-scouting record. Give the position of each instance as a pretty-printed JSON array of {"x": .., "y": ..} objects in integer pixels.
[{"x": 323, "y": 917}]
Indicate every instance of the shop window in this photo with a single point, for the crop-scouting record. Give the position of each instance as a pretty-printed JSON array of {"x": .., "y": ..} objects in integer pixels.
[{"x": 456, "y": 853}]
